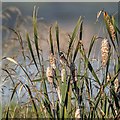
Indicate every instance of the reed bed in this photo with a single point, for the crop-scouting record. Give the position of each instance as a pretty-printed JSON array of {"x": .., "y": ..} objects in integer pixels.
[{"x": 65, "y": 88}]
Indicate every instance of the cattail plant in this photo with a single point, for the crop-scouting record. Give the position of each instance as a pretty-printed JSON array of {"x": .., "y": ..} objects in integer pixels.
[
  {"x": 73, "y": 72},
  {"x": 52, "y": 61},
  {"x": 105, "y": 48},
  {"x": 101, "y": 112},
  {"x": 116, "y": 84},
  {"x": 108, "y": 77},
  {"x": 77, "y": 113},
  {"x": 110, "y": 26},
  {"x": 63, "y": 74},
  {"x": 50, "y": 74},
  {"x": 102, "y": 91}
]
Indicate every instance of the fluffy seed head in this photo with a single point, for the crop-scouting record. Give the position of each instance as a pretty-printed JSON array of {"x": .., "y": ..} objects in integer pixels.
[
  {"x": 112, "y": 31},
  {"x": 49, "y": 74},
  {"x": 105, "y": 47},
  {"x": 74, "y": 72},
  {"x": 108, "y": 77},
  {"x": 110, "y": 25},
  {"x": 116, "y": 83},
  {"x": 63, "y": 74},
  {"x": 77, "y": 113},
  {"x": 52, "y": 61},
  {"x": 101, "y": 112}
]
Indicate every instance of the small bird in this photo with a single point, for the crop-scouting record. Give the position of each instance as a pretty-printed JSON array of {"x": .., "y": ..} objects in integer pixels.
[{"x": 63, "y": 60}]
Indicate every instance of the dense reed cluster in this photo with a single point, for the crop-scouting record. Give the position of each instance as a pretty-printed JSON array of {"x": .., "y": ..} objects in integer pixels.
[{"x": 69, "y": 85}]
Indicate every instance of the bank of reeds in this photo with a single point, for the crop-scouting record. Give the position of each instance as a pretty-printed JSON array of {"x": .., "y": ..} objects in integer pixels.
[{"x": 66, "y": 88}]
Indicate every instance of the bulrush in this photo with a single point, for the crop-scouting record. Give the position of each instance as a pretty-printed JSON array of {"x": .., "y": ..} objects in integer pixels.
[
  {"x": 108, "y": 77},
  {"x": 73, "y": 72},
  {"x": 63, "y": 74},
  {"x": 105, "y": 47},
  {"x": 112, "y": 31},
  {"x": 110, "y": 26},
  {"x": 50, "y": 74},
  {"x": 77, "y": 113},
  {"x": 116, "y": 84},
  {"x": 52, "y": 61}
]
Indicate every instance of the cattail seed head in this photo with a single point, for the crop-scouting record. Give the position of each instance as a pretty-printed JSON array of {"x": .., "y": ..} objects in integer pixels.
[
  {"x": 108, "y": 77},
  {"x": 101, "y": 112},
  {"x": 74, "y": 72},
  {"x": 63, "y": 74},
  {"x": 50, "y": 74},
  {"x": 52, "y": 61},
  {"x": 116, "y": 84},
  {"x": 102, "y": 91},
  {"x": 112, "y": 31},
  {"x": 110, "y": 26},
  {"x": 105, "y": 47},
  {"x": 77, "y": 113}
]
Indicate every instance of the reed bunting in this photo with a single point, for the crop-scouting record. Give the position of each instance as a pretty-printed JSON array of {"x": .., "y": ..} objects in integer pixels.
[{"x": 63, "y": 60}]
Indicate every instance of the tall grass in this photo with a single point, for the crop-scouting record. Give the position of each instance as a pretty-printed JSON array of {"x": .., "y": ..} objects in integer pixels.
[{"x": 66, "y": 88}]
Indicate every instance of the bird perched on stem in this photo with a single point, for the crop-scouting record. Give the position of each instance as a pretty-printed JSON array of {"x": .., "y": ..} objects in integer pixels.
[{"x": 63, "y": 60}]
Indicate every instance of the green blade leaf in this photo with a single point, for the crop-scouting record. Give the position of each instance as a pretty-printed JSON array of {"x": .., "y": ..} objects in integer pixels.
[
  {"x": 73, "y": 36},
  {"x": 91, "y": 45},
  {"x": 76, "y": 51},
  {"x": 35, "y": 33},
  {"x": 57, "y": 36},
  {"x": 51, "y": 41},
  {"x": 31, "y": 51},
  {"x": 33, "y": 102}
]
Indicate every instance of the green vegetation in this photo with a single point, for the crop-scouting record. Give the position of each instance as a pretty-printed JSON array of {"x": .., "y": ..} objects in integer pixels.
[{"x": 66, "y": 88}]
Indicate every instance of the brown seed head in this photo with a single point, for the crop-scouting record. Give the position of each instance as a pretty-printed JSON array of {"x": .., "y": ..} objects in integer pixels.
[
  {"x": 110, "y": 25},
  {"x": 52, "y": 61},
  {"x": 116, "y": 83},
  {"x": 63, "y": 74},
  {"x": 105, "y": 51},
  {"x": 77, "y": 113},
  {"x": 112, "y": 31},
  {"x": 50, "y": 74}
]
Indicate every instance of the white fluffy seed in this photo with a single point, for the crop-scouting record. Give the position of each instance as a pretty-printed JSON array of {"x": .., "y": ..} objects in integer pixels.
[
  {"x": 77, "y": 113},
  {"x": 105, "y": 51},
  {"x": 50, "y": 74}
]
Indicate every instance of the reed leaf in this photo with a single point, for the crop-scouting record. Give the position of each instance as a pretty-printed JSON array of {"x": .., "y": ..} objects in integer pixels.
[
  {"x": 76, "y": 51},
  {"x": 57, "y": 36},
  {"x": 81, "y": 31},
  {"x": 31, "y": 51},
  {"x": 33, "y": 102},
  {"x": 115, "y": 98},
  {"x": 112, "y": 107},
  {"x": 20, "y": 41},
  {"x": 91, "y": 45},
  {"x": 36, "y": 33},
  {"x": 51, "y": 41},
  {"x": 14, "y": 91},
  {"x": 64, "y": 92},
  {"x": 112, "y": 79},
  {"x": 48, "y": 108},
  {"x": 74, "y": 34},
  {"x": 88, "y": 64}
]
